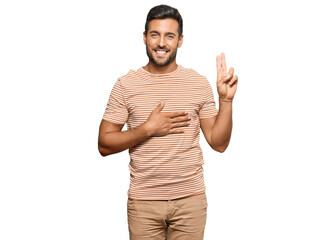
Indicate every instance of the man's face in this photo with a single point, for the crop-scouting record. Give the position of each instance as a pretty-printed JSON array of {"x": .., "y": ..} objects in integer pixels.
[{"x": 162, "y": 41}]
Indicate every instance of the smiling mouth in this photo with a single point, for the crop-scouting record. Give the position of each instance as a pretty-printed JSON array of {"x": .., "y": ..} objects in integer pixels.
[{"x": 161, "y": 52}]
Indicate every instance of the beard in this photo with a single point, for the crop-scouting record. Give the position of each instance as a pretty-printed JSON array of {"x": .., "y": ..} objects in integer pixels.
[{"x": 167, "y": 62}]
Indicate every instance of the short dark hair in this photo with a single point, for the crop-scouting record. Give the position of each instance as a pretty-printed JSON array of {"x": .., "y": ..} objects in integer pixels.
[{"x": 163, "y": 12}]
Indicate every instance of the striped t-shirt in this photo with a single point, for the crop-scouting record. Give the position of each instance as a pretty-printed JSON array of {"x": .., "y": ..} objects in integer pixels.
[{"x": 167, "y": 167}]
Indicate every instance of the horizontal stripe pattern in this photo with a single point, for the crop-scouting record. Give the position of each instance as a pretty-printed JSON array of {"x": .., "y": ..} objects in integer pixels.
[{"x": 168, "y": 167}]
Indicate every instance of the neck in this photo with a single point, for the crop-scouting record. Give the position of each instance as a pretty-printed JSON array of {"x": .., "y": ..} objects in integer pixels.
[{"x": 157, "y": 69}]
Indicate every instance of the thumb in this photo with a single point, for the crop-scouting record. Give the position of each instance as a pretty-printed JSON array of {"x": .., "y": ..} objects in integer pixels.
[{"x": 160, "y": 106}]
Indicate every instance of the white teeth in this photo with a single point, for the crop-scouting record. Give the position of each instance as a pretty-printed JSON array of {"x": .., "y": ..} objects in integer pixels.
[{"x": 161, "y": 52}]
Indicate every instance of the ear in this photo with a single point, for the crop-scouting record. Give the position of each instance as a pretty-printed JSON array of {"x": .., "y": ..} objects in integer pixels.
[
  {"x": 145, "y": 37},
  {"x": 180, "y": 41}
]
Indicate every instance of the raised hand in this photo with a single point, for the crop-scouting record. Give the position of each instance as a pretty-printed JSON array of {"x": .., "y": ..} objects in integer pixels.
[
  {"x": 160, "y": 124},
  {"x": 226, "y": 81}
]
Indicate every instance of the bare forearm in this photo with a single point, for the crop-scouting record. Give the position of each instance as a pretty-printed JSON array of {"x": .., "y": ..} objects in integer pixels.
[
  {"x": 114, "y": 142},
  {"x": 221, "y": 132}
]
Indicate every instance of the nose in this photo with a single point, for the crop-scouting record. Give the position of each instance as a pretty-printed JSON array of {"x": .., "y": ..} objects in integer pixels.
[{"x": 162, "y": 42}]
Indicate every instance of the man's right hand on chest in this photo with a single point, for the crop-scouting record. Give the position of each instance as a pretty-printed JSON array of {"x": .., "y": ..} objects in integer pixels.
[{"x": 160, "y": 124}]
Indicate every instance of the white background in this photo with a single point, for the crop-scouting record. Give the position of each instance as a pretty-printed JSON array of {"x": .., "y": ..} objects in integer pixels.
[{"x": 59, "y": 61}]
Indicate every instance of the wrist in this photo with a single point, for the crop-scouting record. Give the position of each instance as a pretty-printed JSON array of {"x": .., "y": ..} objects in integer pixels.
[
  {"x": 225, "y": 100},
  {"x": 146, "y": 129}
]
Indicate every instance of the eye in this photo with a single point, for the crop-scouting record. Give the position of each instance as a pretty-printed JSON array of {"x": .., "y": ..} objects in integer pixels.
[
  {"x": 170, "y": 36},
  {"x": 154, "y": 35}
]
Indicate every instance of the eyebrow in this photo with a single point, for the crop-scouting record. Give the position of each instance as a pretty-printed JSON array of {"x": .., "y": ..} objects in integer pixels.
[{"x": 168, "y": 33}]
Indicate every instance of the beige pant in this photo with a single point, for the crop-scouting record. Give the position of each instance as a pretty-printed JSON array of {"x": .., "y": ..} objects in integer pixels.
[{"x": 178, "y": 219}]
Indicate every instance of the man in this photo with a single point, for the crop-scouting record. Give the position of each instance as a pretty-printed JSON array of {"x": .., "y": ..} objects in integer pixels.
[{"x": 164, "y": 106}]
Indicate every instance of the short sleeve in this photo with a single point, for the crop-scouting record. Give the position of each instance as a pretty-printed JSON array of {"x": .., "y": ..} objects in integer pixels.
[
  {"x": 116, "y": 110},
  {"x": 208, "y": 108}
]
